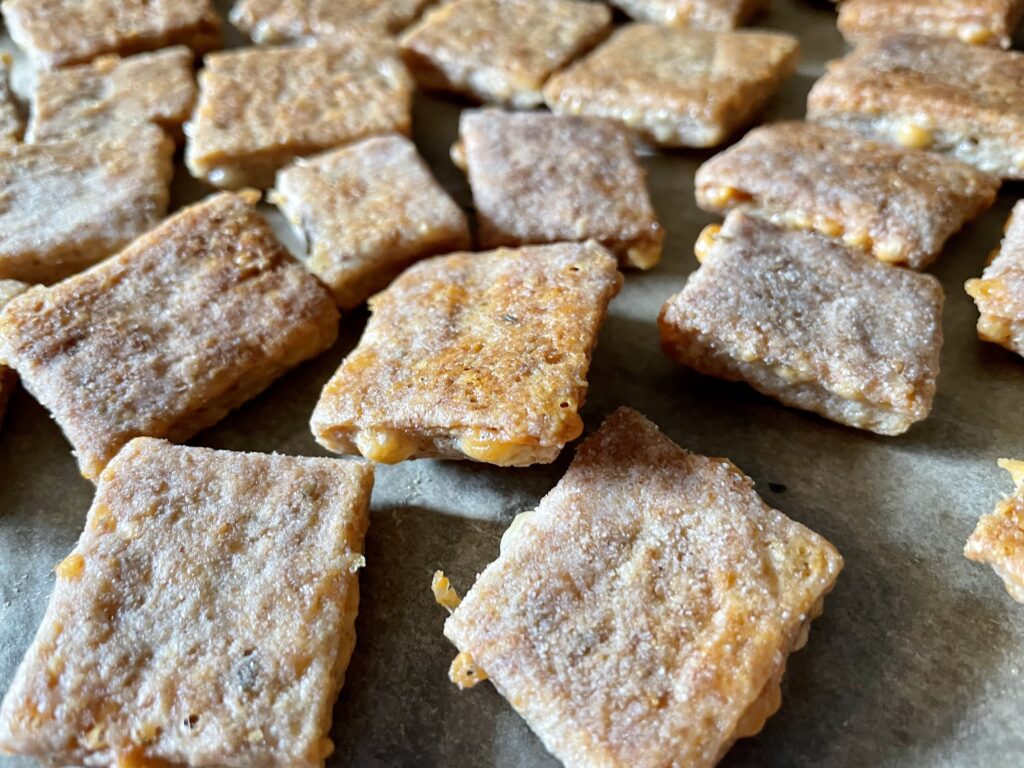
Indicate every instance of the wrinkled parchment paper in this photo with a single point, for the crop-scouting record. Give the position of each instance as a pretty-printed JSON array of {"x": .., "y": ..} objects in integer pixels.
[{"x": 916, "y": 660}]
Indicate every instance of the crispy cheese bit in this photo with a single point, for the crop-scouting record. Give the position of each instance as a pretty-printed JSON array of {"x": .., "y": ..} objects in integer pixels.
[
  {"x": 858, "y": 240},
  {"x": 828, "y": 227},
  {"x": 705, "y": 240},
  {"x": 974, "y": 34},
  {"x": 458, "y": 155},
  {"x": 644, "y": 255},
  {"x": 889, "y": 251},
  {"x": 444, "y": 594},
  {"x": 71, "y": 567},
  {"x": 137, "y": 758},
  {"x": 914, "y": 136},
  {"x": 1015, "y": 468},
  {"x": 464, "y": 672},
  {"x": 383, "y": 446},
  {"x": 491, "y": 449},
  {"x": 722, "y": 197},
  {"x": 517, "y": 522}
]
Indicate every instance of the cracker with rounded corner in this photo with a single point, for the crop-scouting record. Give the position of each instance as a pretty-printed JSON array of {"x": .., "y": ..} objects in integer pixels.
[
  {"x": 8, "y": 378},
  {"x": 676, "y": 87},
  {"x": 155, "y": 87},
  {"x": 900, "y": 205},
  {"x": 473, "y": 355},
  {"x": 998, "y": 539},
  {"x": 643, "y": 614},
  {"x": 69, "y": 204},
  {"x": 978, "y": 22},
  {"x": 10, "y": 114},
  {"x": 501, "y": 51},
  {"x": 231, "y": 654},
  {"x": 58, "y": 33},
  {"x": 719, "y": 15},
  {"x": 271, "y": 22},
  {"x": 816, "y": 325},
  {"x": 999, "y": 293},
  {"x": 260, "y": 108},
  {"x": 542, "y": 178},
  {"x": 164, "y": 339},
  {"x": 930, "y": 93},
  {"x": 368, "y": 211}
]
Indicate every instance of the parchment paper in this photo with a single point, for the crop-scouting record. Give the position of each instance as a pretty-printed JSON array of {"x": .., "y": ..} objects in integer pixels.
[{"x": 916, "y": 660}]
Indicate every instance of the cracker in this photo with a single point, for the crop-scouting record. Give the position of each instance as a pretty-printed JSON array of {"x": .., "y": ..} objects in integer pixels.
[
  {"x": 812, "y": 323},
  {"x": 368, "y": 211},
  {"x": 473, "y": 355},
  {"x": 151, "y": 87},
  {"x": 703, "y": 14},
  {"x": 999, "y": 538},
  {"x": 205, "y": 617},
  {"x": 57, "y": 33},
  {"x": 501, "y": 51},
  {"x": 999, "y": 293},
  {"x": 259, "y": 108},
  {"x": 930, "y": 93},
  {"x": 676, "y": 87},
  {"x": 979, "y": 22},
  {"x": 68, "y": 204},
  {"x": 541, "y": 178},
  {"x": 643, "y": 614},
  {"x": 900, "y": 205},
  {"x": 162, "y": 340},
  {"x": 8, "y": 378},
  {"x": 10, "y": 115},
  {"x": 280, "y": 21}
]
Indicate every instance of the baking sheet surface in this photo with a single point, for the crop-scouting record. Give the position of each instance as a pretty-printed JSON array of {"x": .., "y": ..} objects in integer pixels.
[{"x": 916, "y": 660}]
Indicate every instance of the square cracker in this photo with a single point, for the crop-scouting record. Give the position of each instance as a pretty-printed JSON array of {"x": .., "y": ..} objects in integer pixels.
[
  {"x": 999, "y": 538},
  {"x": 151, "y": 87},
  {"x": 811, "y": 323},
  {"x": 643, "y": 614},
  {"x": 473, "y": 355},
  {"x": 8, "y": 378},
  {"x": 501, "y": 51},
  {"x": 68, "y": 204},
  {"x": 999, "y": 293},
  {"x": 56, "y": 33},
  {"x": 930, "y": 93},
  {"x": 231, "y": 654},
  {"x": 676, "y": 87},
  {"x": 10, "y": 115},
  {"x": 162, "y": 340},
  {"x": 900, "y": 205},
  {"x": 702, "y": 14},
  {"x": 279, "y": 21},
  {"x": 259, "y": 108},
  {"x": 542, "y": 178},
  {"x": 980, "y": 22},
  {"x": 368, "y": 211}
]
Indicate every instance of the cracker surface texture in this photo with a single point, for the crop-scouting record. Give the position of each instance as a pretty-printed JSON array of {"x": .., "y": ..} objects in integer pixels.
[
  {"x": 281, "y": 21},
  {"x": 205, "y": 617},
  {"x": 979, "y": 22},
  {"x": 643, "y": 614}
]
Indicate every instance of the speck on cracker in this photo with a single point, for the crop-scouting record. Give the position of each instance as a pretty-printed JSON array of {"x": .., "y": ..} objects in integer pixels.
[
  {"x": 259, "y": 108},
  {"x": 980, "y": 22},
  {"x": 205, "y": 617},
  {"x": 188, "y": 322},
  {"x": 68, "y": 204},
  {"x": 702, "y": 14},
  {"x": 999, "y": 293},
  {"x": 812, "y": 323},
  {"x": 280, "y": 21},
  {"x": 542, "y": 178},
  {"x": 368, "y": 211},
  {"x": 676, "y": 87},
  {"x": 473, "y": 355},
  {"x": 150, "y": 87},
  {"x": 999, "y": 538},
  {"x": 930, "y": 93},
  {"x": 900, "y": 205},
  {"x": 57, "y": 33},
  {"x": 501, "y": 51},
  {"x": 644, "y": 613}
]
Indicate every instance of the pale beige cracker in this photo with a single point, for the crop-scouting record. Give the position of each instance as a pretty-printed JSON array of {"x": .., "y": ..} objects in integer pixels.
[
  {"x": 999, "y": 293},
  {"x": 279, "y": 21}
]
